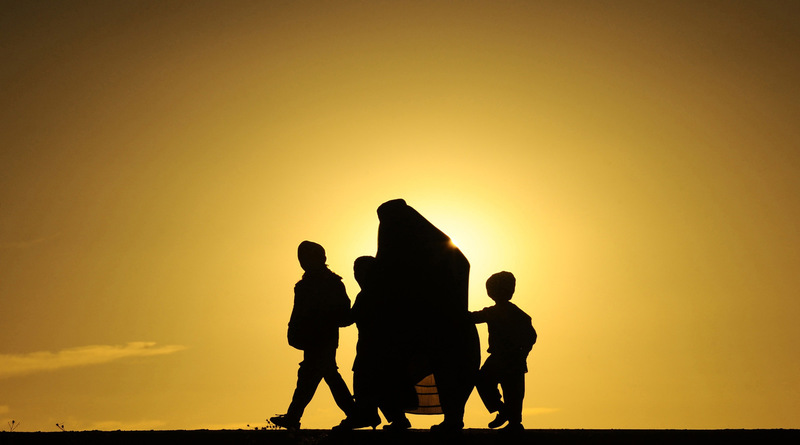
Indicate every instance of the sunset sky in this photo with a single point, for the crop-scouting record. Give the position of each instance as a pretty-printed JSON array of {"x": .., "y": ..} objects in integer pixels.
[{"x": 634, "y": 163}]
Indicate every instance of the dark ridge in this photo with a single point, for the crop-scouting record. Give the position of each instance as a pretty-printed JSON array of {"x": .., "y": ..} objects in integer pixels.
[{"x": 415, "y": 437}]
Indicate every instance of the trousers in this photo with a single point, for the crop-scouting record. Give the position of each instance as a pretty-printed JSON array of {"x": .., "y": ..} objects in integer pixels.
[
  {"x": 319, "y": 364},
  {"x": 497, "y": 371}
]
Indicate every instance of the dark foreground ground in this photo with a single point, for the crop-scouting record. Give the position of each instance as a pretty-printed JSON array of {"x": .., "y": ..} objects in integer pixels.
[{"x": 412, "y": 437}]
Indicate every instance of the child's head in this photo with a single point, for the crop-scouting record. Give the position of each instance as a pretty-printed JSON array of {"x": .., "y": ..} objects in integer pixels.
[
  {"x": 500, "y": 286},
  {"x": 311, "y": 255},
  {"x": 364, "y": 270}
]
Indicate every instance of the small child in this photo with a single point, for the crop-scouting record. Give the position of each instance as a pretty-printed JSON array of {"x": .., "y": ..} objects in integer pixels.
[{"x": 511, "y": 337}]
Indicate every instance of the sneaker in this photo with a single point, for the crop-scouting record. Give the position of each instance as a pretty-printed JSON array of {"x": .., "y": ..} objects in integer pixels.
[
  {"x": 284, "y": 421},
  {"x": 498, "y": 421},
  {"x": 398, "y": 425},
  {"x": 352, "y": 423},
  {"x": 514, "y": 427}
]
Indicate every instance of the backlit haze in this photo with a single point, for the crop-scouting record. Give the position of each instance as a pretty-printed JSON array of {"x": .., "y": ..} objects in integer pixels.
[{"x": 634, "y": 164}]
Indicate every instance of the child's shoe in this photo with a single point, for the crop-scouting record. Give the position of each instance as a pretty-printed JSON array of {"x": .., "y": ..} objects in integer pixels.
[
  {"x": 284, "y": 421},
  {"x": 498, "y": 421}
]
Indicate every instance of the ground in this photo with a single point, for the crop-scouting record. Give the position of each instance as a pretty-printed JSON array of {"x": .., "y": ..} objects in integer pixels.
[{"x": 416, "y": 437}]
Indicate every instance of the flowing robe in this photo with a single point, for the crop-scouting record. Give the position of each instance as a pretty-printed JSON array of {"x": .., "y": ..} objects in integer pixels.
[{"x": 427, "y": 329}]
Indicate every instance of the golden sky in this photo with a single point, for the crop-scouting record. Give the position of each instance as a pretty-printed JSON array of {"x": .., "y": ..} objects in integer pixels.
[{"x": 633, "y": 163}]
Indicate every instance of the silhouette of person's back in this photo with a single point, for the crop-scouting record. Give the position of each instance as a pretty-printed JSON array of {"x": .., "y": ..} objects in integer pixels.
[
  {"x": 321, "y": 306},
  {"x": 366, "y": 314}
]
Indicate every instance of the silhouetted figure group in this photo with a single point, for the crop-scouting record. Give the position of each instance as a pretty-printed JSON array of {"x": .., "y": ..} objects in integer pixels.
[{"x": 413, "y": 323}]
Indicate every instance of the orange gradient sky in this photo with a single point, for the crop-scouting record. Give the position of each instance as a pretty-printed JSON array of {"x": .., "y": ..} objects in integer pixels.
[{"x": 633, "y": 163}]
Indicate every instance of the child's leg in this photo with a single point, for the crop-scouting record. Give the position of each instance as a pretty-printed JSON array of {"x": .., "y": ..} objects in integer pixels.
[
  {"x": 308, "y": 377},
  {"x": 365, "y": 393},
  {"x": 339, "y": 390},
  {"x": 513, "y": 392},
  {"x": 488, "y": 379}
]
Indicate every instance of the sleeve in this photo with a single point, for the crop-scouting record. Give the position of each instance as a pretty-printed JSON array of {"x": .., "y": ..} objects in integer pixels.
[
  {"x": 481, "y": 316},
  {"x": 296, "y": 333},
  {"x": 342, "y": 309},
  {"x": 352, "y": 313},
  {"x": 530, "y": 336}
]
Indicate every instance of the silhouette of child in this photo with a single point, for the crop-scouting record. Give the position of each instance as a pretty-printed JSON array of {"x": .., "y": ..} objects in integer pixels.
[
  {"x": 365, "y": 313},
  {"x": 511, "y": 337},
  {"x": 370, "y": 384},
  {"x": 321, "y": 306}
]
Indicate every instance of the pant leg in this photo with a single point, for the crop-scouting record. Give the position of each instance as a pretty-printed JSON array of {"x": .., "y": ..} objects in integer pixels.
[
  {"x": 341, "y": 394},
  {"x": 339, "y": 390},
  {"x": 488, "y": 379},
  {"x": 513, "y": 384},
  {"x": 309, "y": 375},
  {"x": 365, "y": 391}
]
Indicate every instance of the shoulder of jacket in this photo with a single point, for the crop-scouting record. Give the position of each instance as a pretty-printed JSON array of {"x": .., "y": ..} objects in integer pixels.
[{"x": 518, "y": 309}]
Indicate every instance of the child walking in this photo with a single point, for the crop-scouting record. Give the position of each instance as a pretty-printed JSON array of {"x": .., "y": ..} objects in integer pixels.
[
  {"x": 321, "y": 307},
  {"x": 511, "y": 337}
]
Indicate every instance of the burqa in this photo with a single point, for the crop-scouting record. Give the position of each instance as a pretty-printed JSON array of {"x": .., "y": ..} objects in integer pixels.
[{"x": 425, "y": 280}]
